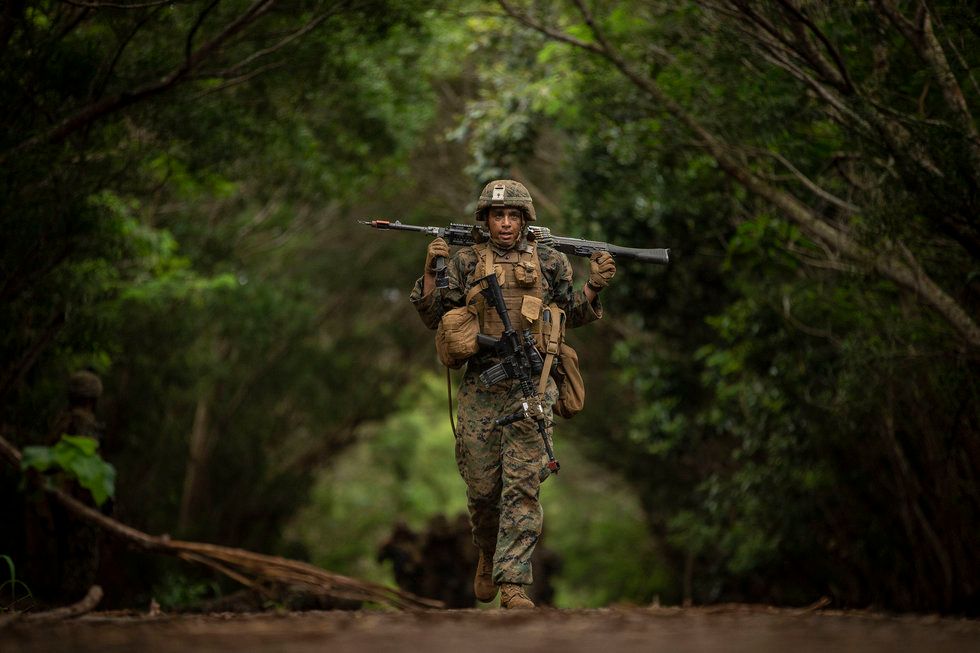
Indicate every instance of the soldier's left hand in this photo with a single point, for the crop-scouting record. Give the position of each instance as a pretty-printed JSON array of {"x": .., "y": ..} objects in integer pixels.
[{"x": 602, "y": 269}]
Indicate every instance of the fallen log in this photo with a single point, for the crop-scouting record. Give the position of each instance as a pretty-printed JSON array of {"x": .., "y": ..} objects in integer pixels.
[
  {"x": 86, "y": 605},
  {"x": 253, "y": 570}
]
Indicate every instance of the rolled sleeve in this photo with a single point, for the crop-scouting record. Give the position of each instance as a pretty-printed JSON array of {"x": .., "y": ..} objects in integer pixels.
[
  {"x": 429, "y": 306},
  {"x": 581, "y": 311},
  {"x": 433, "y": 306},
  {"x": 578, "y": 310}
]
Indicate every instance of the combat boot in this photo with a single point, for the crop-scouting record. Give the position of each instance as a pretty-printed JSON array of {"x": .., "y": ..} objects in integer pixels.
[
  {"x": 483, "y": 586},
  {"x": 513, "y": 597}
]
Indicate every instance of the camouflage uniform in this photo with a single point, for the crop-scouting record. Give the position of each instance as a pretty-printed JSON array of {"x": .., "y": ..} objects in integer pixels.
[{"x": 502, "y": 466}]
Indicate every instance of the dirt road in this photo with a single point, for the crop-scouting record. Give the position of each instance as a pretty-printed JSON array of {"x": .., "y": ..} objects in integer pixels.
[{"x": 732, "y": 629}]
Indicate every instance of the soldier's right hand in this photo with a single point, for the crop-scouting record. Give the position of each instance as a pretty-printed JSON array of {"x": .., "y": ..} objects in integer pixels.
[{"x": 437, "y": 247}]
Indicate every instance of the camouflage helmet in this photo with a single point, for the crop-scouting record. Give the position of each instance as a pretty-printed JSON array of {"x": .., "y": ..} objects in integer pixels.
[
  {"x": 505, "y": 192},
  {"x": 84, "y": 385}
]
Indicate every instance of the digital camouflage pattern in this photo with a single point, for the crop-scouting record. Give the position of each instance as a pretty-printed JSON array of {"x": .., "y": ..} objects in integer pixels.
[
  {"x": 503, "y": 469},
  {"x": 503, "y": 466},
  {"x": 508, "y": 193}
]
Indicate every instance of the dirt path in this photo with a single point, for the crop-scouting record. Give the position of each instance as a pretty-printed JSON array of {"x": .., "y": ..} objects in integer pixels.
[{"x": 733, "y": 629}]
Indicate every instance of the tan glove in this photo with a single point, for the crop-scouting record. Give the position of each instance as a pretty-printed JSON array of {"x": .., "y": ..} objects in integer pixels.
[
  {"x": 437, "y": 247},
  {"x": 602, "y": 269}
]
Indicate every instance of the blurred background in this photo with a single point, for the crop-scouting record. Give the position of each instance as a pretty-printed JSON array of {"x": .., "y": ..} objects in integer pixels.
[{"x": 787, "y": 412}]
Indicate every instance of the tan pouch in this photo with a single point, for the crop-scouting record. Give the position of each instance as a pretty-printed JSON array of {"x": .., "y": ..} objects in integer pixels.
[
  {"x": 531, "y": 308},
  {"x": 457, "y": 331},
  {"x": 571, "y": 386},
  {"x": 456, "y": 337},
  {"x": 526, "y": 274}
]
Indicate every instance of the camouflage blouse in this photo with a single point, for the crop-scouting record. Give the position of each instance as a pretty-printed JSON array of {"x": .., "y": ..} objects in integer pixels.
[{"x": 556, "y": 269}]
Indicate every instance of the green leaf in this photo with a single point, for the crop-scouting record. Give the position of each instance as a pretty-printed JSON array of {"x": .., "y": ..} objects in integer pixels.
[
  {"x": 97, "y": 476},
  {"x": 84, "y": 444},
  {"x": 78, "y": 458},
  {"x": 39, "y": 458}
]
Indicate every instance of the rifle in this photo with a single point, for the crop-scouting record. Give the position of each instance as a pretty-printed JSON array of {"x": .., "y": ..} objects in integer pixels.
[
  {"x": 462, "y": 234},
  {"x": 520, "y": 360}
]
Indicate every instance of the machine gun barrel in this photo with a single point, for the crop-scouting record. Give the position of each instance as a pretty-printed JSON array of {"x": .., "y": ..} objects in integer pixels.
[
  {"x": 455, "y": 234},
  {"x": 579, "y": 247}
]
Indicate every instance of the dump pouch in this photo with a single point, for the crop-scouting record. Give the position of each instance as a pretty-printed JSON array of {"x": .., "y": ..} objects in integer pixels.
[
  {"x": 456, "y": 335},
  {"x": 571, "y": 386}
]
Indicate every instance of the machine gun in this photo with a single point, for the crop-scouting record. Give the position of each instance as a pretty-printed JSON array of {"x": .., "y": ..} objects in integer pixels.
[
  {"x": 520, "y": 360},
  {"x": 463, "y": 234}
]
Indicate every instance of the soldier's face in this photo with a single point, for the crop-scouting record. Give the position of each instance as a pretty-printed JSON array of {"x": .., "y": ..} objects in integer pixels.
[{"x": 505, "y": 225}]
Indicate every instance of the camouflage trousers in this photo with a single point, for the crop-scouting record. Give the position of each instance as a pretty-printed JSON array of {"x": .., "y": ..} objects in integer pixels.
[{"x": 502, "y": 467}]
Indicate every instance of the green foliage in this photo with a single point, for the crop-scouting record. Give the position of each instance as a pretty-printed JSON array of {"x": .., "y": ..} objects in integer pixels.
[
  {"x": 75, "y": 457},
  {"x": 791, "y": 423},
  {"x": 760, "y": 384},
  {"x": 596, "y": 525},
  {"x": 188, "y": 245},
  {"x": 404, "y": 469},
  {"x": 175, "y": 591}
]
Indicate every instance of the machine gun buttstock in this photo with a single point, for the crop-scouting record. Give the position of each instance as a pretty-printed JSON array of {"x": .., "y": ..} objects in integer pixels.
[{"x": 657, "y": 255}]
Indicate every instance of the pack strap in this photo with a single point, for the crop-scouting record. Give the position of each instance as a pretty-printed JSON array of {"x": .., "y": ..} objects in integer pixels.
[{"x": 557, "y": 327}]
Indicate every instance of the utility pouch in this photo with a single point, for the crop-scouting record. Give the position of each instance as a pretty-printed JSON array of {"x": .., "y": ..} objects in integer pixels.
[
  {"x": 456, "y": 335},
  {"x": 526, "y": 274},
  {"x": 531, "y": 310}
]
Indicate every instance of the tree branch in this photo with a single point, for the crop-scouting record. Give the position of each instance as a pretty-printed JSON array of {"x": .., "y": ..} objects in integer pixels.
[
  {"x": 310, "y": 25},
  {"x": 555, "y": 34},
  {"x": 118, "y": 5},
  {"x": 99, "y": 86},
  {"x": 235, "y": 81},
  {"x": 922, "y": 37},
  {"x": 886, "y": 264},
  {"x": 843, "y": 78},
  {"x": 86, "y": 605},
  {"x": 813, "y": 331},
  {"x": 862, "y": 112},
  {"x": 189, "y": 43},
  {"x": 101, "y": 108},
  {"x": 241, "y": 565},
  {"x": 810, "y": 184}
]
